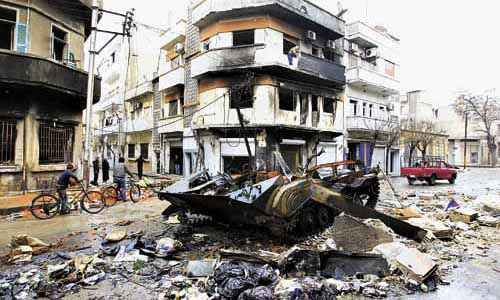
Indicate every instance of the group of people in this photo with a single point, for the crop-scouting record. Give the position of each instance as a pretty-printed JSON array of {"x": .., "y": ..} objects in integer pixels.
[{"x": 96, "y": 164}]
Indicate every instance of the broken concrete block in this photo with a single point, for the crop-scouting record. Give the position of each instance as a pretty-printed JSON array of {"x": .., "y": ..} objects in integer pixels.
[
  {"x": 427, "y": 196},
  {"x": 351, "y": 234},
  {"x": 116, "y": 235},
  {"x": 490, "y": 203},
  {"x": 390, "y": 251},
  {"x": 415, "y": 264},
  {"x": 438, "y": 228},
  {"x": 465, "y": 215},
  {"x": 488, "y": 221},
  {"x": 200, "y": 268},
  {"x": 338, "y": 264},
  {"x": 407, "y": 213}
]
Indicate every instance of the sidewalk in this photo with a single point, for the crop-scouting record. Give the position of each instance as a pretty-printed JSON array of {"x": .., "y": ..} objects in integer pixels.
[{"x": 14, "y": 204}]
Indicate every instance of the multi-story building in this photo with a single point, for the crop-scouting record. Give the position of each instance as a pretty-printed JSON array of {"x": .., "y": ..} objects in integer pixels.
[
  {"x": 236, "y": 56},
  {"x": 422, "y": 119},
  {"x": 373, "y": 87},
  {"x": 42, "y": 89},
  {"x": 125, "y": 114}
]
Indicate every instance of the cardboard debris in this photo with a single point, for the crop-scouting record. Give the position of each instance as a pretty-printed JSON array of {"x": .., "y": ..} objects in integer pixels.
[
  {"x": 438, "y": 228},
  {"x": 415, "y": 264},
  {"x": 465, "y": 215},
  {"x": 407, "y": 213}
]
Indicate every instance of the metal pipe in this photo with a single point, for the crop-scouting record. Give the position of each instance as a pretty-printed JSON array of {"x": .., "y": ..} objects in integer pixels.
[{"x": 90, "y": 92}]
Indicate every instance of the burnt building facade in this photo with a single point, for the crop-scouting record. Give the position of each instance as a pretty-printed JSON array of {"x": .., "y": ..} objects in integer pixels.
[
  {"x": 42, "y": 89},
  {"x": 279, "y": 63}
]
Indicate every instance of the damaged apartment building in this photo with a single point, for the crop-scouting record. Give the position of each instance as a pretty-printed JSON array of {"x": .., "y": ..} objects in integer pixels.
[
  {"x": 235, "y": 56},
  {"x": 373, "y": 87},
  {"x": 42, "y": 89},
  {"x": 123, "y": 119}
]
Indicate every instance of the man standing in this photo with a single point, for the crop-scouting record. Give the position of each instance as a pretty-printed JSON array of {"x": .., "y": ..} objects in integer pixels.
[
  {"x": 293, "y": 53},
  {"x": 120, "y": 173},
  {"x": 65, "y": 180},
  {"x": 105, "y": 170},
  {"x": 140, "y": 166},
  {"x": 95, "y": 166}
]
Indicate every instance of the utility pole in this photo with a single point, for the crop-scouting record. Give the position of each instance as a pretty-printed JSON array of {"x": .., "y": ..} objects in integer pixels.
[
  {"x": 90, "y": 93},
  {"x": 465, "y": 140}
]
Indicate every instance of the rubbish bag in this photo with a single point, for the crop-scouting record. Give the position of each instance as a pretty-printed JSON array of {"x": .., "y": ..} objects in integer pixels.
[{"x": 258, "y": 293}]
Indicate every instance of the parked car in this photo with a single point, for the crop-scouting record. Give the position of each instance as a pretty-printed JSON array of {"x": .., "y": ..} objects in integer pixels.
[{"x": 430, "y": 171}]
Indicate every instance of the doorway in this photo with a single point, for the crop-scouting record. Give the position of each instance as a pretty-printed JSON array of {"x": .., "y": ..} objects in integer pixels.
[{"x": 176, "y": 164}]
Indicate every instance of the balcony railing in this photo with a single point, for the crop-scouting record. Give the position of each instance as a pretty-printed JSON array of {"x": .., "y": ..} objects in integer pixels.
[
  {"x": 171, "y": 124},
  {"x": 139, "y": 90},
  {"x": 138, "y": 125},
  {"x": 172, "y": 78},
  {"x": 260, "y": 56},
  {"x": 369, "y": 76},
  {"x": 367, "y": 123}
]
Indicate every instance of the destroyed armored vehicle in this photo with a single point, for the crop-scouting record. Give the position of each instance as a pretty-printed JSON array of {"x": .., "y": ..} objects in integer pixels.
[{"x": 285, "y": 204}]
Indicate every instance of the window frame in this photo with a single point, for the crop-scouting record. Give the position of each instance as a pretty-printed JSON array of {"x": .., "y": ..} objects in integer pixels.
[
  {"x": 146, "y": 145},
  {"x": 333, "y": 102},
  {"x": 176, "y": 101},
  {"x": 243, "y": 31},
  {"x": 13, "y": 43},
  {"x": 66, "y": 50},
  {"x": 294, "y": 99},
  {"x": 10, "y": 149},
  {"x": 43, "y": 157},
  {"x": 130, "y": 147}
]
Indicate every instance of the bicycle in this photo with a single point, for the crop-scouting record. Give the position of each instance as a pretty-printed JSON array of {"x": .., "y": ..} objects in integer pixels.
[
  {"x": 111, "y": 193},
  {"x": 47, "y": 205}
]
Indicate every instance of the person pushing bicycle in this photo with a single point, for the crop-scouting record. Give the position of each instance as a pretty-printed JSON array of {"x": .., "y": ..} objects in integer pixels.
[
  {"x": 120, "y": 173},
  {"x": 65, "y": 180}
]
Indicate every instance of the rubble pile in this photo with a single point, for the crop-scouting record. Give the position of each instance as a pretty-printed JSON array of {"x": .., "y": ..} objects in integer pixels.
[{"x": 355, "y": 256}]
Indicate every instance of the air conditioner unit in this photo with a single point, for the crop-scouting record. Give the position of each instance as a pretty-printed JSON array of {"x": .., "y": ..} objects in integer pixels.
[
  {"x": 331, "y": 44},
  {"x": 179, "y": 48},
  {"x": 372, "y": 53},
  {"x": 311, "y": 35}
]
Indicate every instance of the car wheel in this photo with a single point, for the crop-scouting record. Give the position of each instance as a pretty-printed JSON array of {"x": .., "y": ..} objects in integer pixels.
[
  {"x": 452, "y": 179},
  {"x": 432, "y": 180}
]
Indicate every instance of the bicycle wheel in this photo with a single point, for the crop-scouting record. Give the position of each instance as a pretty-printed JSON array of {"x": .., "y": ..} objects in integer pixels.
[
  {"x": 93, "y": 202},
  {"x": 110, "y": 194},
  {"x": 45, "y": 207},
  {"x": 134, "y": 193}
]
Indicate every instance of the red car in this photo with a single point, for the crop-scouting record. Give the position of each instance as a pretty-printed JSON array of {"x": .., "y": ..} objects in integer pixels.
[{"x": 430, "y": 171}]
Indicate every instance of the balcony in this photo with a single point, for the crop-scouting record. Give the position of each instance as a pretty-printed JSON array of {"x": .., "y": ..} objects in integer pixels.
[
  {"x": 369, "y": 124},
  {"x": 139, "y": 90},
  {"x": 172, "y": 78},
  {"x": 306, "y": 68},
  {"x": 107, "y": 130},
  {"x": 301, "y": 12},
  {"x": 139, "y": 125},
  {"x": 171, "y": 124},
  {"x": 364, "y": 75},
  {"x": 26, "y": 71}
]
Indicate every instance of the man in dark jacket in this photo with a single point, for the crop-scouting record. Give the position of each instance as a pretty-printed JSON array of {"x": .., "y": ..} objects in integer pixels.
[
  {"x": 105, "y": 170},
  {"x": 140, "y": 166},
  {"x": 65, "y": 180},
  {"x": 95, "y": 166}
]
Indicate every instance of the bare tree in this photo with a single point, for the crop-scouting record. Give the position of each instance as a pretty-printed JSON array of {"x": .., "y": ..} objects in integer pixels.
[
  {"x": 428, "y": 133},
  {"x": 392, "y": 138},
  {"x": 411, "y": 137},
  {"x": 485, "y": 109},
  {"x": 386, "y": 132}
]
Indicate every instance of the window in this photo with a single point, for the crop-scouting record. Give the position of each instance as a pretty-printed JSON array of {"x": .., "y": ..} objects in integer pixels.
[
  {"x": 145, "y": 151},
  {"x": 364, "y": 109},
  {"x": 8, "y": 133},
  {"x": 329, "y": 54},
  {"x": 8, "y": 18},
  {"x": 370, "y": 110},
  {"x": 235, "y": 165},
  {"x": 243, "y": 38},
  {"x": 113, "y": 57},
  {"x": 288, "y": 45},
  {"x": 55, "y": 142},
  {"x": 287, "y": 99},
  {"x": 173, "y": 108},
  {"x": 354, "y": 107},
  {"x": 316, "y": 52},
  {"x": 241, "y": 97},
  {"x": 58, "y": 43},
  {"x": 329, "y": 105},
  {"x": 315, "y": 103},
  {"x": 131, "y": 150}
]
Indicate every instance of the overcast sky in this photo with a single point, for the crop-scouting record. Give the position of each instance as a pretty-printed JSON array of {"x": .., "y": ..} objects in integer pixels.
[{"x": 446, "y": 45}]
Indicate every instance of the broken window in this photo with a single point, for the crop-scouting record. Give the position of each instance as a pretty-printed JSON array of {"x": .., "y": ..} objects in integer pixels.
[
  {"x": 329, "y": 54},
  {"x": 55, "y": 142},
  {"x": 173, "y": 108},
  {"x": 131, "y": 150},
  {"x": 235, "y": 165},
  {"x": 244, "y": 38},
  {"x": 315, "y": 103},
  {"x": 58, "y": 43},
  {"x": 329, "y": 105},
  {"x": 8, "y": 133},
  {"x": 8, "y": 18},
  {"x": 145, "y": 151},
  {"x": 287, "y": 45},
  {"x": 287, "y": 99},
  {"x": 316, "y": 52},
  {"x": 241, "y": 97}
]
